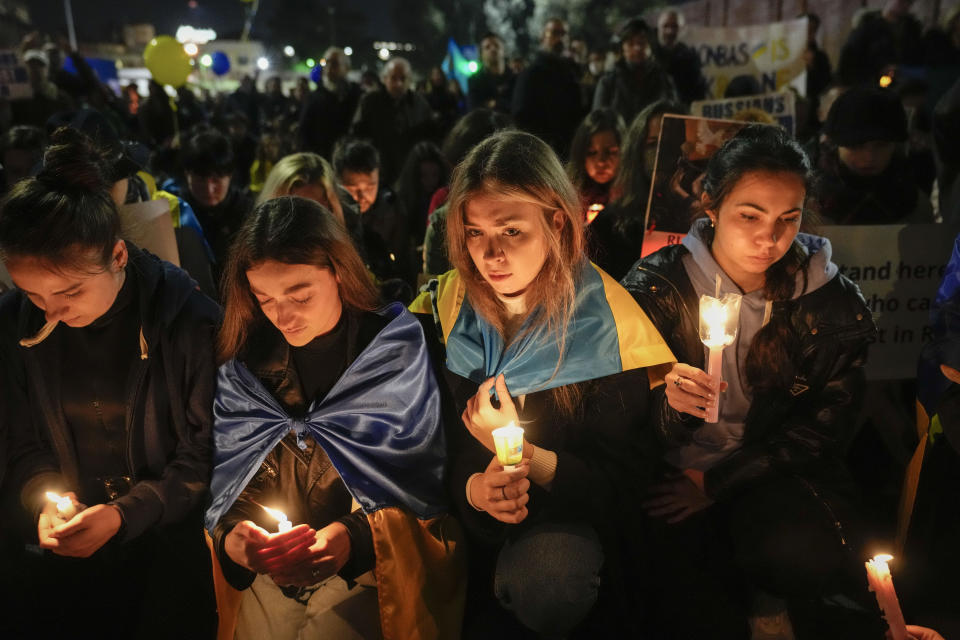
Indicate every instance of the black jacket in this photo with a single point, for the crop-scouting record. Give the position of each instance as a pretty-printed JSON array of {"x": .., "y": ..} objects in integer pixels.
[
  {"x": 169, "y": 406},
  {"x": 627, "y": 90},
  {"x": 796, "y": 430},
  {"x": 546, "y": 100}
]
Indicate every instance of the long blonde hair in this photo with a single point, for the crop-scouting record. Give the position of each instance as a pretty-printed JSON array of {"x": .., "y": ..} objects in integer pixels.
[
  {"x": 298, "y": 170},
  {"x": 517, "y": 165}
]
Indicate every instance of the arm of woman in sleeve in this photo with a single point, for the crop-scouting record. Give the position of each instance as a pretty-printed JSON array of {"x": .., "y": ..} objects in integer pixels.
[
  {"x": 185, "y": 480},
  {"x": 813, "y": 431}
]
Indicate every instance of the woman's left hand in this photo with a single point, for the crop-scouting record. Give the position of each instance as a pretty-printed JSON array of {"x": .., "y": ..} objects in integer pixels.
[
  {"x": 678, "y": 498},
  {"x": 481, "y": 418},
  {"x": 327, "y": 556},
  {"x": 86, "y": 532}
]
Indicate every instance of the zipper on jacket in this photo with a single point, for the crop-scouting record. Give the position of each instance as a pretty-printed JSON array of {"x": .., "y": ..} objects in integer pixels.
[{"x": 131, "y": 413}]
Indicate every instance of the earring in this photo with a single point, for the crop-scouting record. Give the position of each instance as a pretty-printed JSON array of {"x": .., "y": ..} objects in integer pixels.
[{"x": 712, "y": 223}]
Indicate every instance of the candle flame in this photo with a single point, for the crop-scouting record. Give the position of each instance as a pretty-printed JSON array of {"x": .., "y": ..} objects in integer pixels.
[
  {"x": 883, "y": 557},
  {"x": 593, "y": 211},
  {"x": 63, "y": 502},
  {"x": 715, "y": 317},
  {"x": 280, "y": 516},
  {"x": 53, "y": 497}
]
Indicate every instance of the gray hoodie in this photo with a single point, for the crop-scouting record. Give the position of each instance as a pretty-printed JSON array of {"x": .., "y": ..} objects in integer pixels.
[{"x": 714, "y": 442}]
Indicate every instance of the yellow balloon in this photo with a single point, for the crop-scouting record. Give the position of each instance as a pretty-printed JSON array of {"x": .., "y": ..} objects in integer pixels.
[{"x": 167, "y": 61}]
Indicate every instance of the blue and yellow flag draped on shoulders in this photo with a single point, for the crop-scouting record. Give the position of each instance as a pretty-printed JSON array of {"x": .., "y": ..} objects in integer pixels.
[
  {"x": 608, "y": 333},
  {"x": 380, "y": 427}
]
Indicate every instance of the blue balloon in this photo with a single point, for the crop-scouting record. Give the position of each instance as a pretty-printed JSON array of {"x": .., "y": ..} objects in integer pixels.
[
  {"x": 220, "y": 63},
  {"x": 316, "y": 74}
]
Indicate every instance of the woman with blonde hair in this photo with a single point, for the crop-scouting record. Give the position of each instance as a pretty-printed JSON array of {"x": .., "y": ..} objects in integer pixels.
[
  {"x": 566, "y": 350},
  {"x": 306, "y": 175}
]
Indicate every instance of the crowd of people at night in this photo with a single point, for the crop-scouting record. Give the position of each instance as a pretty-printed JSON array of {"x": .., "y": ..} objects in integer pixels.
[{"x": 256, "y": 348}]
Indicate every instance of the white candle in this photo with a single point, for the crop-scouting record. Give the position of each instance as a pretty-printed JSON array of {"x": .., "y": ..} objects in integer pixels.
[
  {"x": 65, "y": 507},
  {"x": 284, "y": 524},
  {"x": 508, "y": 441},
  {"x": 881, "y": 583},
  {"x": 719, "y": 321}
]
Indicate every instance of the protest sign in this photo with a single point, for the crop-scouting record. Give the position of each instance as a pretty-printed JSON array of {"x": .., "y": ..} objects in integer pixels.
[
  {"x": 898, "y": 269},
  {"x": 771, "y": 54},
  {"x": 781, "y": 106},
  {"x": 13, "y": 77},
  {"x": 683, "y": 150}
]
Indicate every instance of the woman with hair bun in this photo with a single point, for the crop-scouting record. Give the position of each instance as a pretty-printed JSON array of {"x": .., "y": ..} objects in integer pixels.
[
  {"x": 107, "y": 357},
  {"x": 760, "y": 499}
]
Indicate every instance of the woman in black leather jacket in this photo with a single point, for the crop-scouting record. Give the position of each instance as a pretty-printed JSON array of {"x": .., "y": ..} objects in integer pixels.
[{"x": 759, "y": 499}]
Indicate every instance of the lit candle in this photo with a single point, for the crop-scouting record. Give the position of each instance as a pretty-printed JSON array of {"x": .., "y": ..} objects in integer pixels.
[
  {"x": 593, "y": 211},
  {"x": 719, "y": 320},
  {"x": 285, "y": 525},
  {"x": 881, "y": 583},
  {"x": 509, "y": 443},
  {"x": 66, "y": 509}
]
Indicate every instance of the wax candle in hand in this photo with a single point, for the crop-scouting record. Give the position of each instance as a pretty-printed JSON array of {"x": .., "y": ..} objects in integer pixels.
[
  {"x": 719, "y": 321},
  {"x": 285, "y": 525},
  {"x": 66, "y": 509},
  {"x": 509, "y": 443},
  {"x": 881, "y": 583}
]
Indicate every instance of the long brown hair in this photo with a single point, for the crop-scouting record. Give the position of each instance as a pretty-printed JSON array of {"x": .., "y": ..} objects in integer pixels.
[
  {"x": 517, "y": 165},
  {"x": 291, "y": 230}
]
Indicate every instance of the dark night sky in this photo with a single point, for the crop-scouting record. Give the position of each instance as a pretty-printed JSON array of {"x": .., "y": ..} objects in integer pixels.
[{"x": 94, "y": 19}]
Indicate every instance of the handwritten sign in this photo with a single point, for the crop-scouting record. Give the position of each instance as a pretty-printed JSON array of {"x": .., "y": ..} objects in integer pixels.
[{"x": 770, "y": 53}]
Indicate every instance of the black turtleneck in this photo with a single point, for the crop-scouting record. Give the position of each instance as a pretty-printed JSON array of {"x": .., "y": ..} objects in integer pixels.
[
  {"x": 322, "y": 361},
  {"x": 96, "y": 367}
]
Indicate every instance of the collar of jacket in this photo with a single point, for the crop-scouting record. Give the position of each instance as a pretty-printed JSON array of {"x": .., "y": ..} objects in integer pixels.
[{"x": 163, "y": 290}]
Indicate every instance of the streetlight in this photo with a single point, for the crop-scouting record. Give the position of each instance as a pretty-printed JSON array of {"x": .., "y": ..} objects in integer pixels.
[
  {"x": 311, "y": 63},
  {"x": 384, "y": 53},
  {"x": 288, "y": 51},
  {"x": 191, "y": 48},
  {"x": 348, "y": 51},
  {"x": 262, "y": 63},
  {"x": 206, "y": 60}
]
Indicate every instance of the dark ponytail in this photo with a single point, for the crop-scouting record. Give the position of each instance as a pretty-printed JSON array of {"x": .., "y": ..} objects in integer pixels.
[
  {"x": 763, "y": 148},
  {"x": 65, "y": 212}
]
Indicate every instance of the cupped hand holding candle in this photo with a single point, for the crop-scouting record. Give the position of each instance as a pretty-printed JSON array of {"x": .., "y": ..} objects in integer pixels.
[
  {"x": 66, "y": 504},
  {"x": 258, "y": 550},
  {"x": 284, "y": 524},
  {"x": 501, "y": 493}
]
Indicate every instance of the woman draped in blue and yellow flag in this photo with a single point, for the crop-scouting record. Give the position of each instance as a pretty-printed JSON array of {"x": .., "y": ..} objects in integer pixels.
[
  {"x": 328, "y": 411},
  {"x": 571, "y": 358}
]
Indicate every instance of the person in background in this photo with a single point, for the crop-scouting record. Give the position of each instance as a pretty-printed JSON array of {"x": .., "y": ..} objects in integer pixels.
[
  {"x": 553, "y": 542},
  {"x": 443, "y": 102},
  {"x": 274, "y": 105},
  {"x": 682, "y": 62},
  {"x": 21, "y": 151},
  {"x": 357, "y": 166},
  {"x": 616, "y": 234},
  {"x": 46, "y": 98},
  {"x": 595, "y": 159},
  {"x": 243, "y": 142},
  {"x": 592, "y": 72},
  {"x": 270, "y": 149},
  {"x": 546, "y": 97},
  {"x": 108, "y": 370},
  {"x": 883, "y": 38},
  {"x": 741, "y": 496},
  {"x": 208, "y": 164},
  {"x": 941, "y": 43},
  {"x": 864, "y": 174},
  {"x": 394, "y": 118},
  {"x": 330, "y": 108},
  {"x": 425, "y": 170},
  {"x": 637, "y": 79},
  {"x": 819, "y": 71},
  {"x": 246, "y": 101},
  {"x": 491, "y": 87}
]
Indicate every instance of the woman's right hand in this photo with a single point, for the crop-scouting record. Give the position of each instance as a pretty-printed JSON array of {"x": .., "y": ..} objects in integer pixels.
[
  {"x": 253, "y": 548},
  {"x": 502, "y": 494},
  {"x": 691, "y": 390}
]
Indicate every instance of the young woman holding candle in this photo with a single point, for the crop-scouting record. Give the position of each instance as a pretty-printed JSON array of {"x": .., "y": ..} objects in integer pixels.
[
  {"x": 107, "y": 383},
  {"x": 324, "y": 402},
  {"x": 595, "y": 158},
  {"x": 567, "y": 352},
  {"x": 761, "y": 498}
]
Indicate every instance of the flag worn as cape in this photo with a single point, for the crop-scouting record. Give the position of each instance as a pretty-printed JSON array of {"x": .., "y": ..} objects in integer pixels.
[
  {"x": 380, "y": 427},
  {"x": 608, "y": 333}
]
